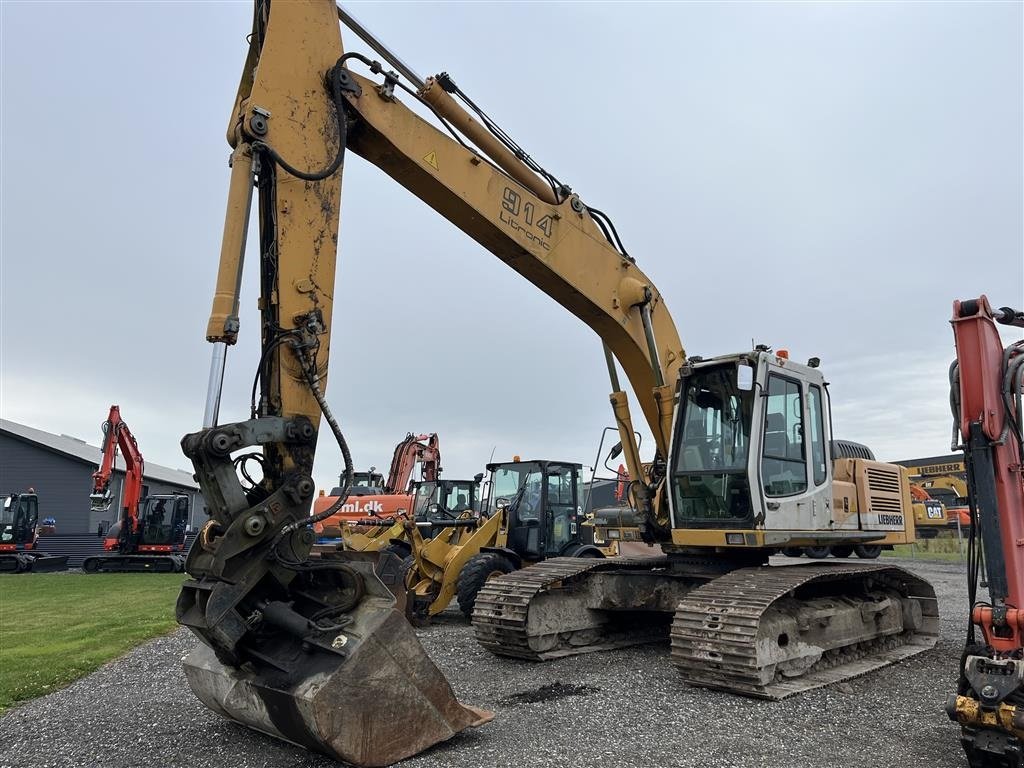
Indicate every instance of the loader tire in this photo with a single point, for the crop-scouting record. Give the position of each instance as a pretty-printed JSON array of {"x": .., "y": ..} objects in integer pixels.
[
  {"x": 817, "y": 553},
  {"x": 398, "y": 549},
  {"x": 844, "y": 551},
  {"x": 793, "y": 551},
  {"x": 475, "y": 574},
  {"x": 868, "y": 551}
]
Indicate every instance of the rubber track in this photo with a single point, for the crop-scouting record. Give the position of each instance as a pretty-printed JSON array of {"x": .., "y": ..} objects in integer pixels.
[
  {"x": 156, "y": 563},
  {"x": 716, "y": 625},
  {"x": 503, "y": 604}
]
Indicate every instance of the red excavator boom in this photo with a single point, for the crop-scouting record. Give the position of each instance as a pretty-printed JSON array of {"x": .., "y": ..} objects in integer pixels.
[
  {"x": 413, "y": 449},
  {"x": 117, "y": 436},
  {"x": 986, "y": 393}
]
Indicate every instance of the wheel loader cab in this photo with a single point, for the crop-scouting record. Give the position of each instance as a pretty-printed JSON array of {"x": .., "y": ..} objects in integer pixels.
[
  {"x": 541, "y": 502},
  {"x": 445, "y": 499},
  {"x": 750, "y": 448}
]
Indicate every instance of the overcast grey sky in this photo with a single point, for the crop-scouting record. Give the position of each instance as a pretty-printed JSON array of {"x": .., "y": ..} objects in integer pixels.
[{"x": 821, "y": 177}]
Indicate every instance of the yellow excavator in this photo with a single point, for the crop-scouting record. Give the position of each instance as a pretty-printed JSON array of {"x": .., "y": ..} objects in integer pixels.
[{"x": 312, "y": 650}]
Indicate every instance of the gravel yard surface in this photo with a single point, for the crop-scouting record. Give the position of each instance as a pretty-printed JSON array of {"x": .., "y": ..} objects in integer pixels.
[{"x": 618, "y": 708}]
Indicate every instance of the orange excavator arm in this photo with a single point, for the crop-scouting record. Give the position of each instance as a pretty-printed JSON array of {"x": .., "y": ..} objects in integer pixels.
[
  {"x": 117, "y": 436},
  {"x": 987, "y": 395},
  {"x": 413, "y": 449}
]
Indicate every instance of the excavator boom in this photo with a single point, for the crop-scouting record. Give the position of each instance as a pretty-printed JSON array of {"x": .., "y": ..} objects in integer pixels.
[
  {"x": 987, "y": 386},
  {"x": 118, "y": 437},
  {"x": 423, "y": 449}
]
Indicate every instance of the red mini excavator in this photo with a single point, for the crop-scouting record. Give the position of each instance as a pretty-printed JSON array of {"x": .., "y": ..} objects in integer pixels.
[
  {"x": 150, "y": 534},
  {"x": 987, "y": 384}
]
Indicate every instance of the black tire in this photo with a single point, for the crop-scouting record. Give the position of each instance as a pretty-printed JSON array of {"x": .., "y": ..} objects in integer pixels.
[
  {"x": 817, "y": 553},
  {"x": 91, "y": 565},
  {"x": 843, "y": 551},
  {"x": 399, "y": 549},
  {"x": 868, "y": 551},
  {"x": 475, "y": 574},
  {"x": 793, "y": 551}
]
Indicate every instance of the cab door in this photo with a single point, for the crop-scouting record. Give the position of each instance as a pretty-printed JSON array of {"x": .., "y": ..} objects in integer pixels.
[
  {"x": 560, "y": 509},
  {"x": 793, "y": 460}
]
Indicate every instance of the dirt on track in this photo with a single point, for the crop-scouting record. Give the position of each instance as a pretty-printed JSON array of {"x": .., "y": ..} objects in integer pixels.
[{"x": 618, "y": 708}]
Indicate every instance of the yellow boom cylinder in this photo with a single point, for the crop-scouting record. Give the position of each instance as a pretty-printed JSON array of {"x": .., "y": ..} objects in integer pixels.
[
  {"x": 223, "y": 325},
  {"x": 445, "y": 105}
]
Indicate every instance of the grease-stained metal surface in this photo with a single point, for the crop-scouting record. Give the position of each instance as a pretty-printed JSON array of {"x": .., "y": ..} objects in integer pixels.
[{"x": 617, "y": 708}]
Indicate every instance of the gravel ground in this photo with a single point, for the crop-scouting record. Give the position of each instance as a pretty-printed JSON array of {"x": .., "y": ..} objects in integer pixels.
[{"x": 618, "y": 708}]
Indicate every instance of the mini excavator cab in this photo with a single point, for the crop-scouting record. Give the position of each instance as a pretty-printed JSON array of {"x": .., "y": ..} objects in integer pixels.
[
  {"x": 19, "y": 518},
  {"x": 164, "y": 519},
  {"x": 542, "y": 501}
]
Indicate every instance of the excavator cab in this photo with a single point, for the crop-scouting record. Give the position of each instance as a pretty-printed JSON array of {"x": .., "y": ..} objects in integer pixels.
[
  {"x": 542, "y": 502},
  {"x": 164, "y": 519},
  {"x": 18, "y": 553},
  {"x": 19, "y": 519},
  {"x": 753, "y": 464},
  {"x": 366, "y": 483}
]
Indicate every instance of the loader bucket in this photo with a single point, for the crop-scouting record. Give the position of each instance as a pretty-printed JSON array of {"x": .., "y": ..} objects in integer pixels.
[{"x": 382, "y": 701}]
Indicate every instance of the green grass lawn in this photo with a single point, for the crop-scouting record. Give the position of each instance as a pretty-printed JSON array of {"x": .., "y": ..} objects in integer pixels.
[
  {"x": 945, "y": 547},
  {"x": 57, "y": 627}
]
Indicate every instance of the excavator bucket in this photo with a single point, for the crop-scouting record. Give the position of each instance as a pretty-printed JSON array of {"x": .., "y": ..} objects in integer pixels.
[{"x": 381, "y": 701}]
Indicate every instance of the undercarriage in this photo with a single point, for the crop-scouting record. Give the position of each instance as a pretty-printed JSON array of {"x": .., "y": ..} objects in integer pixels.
[{"x": 765, "y": 631}]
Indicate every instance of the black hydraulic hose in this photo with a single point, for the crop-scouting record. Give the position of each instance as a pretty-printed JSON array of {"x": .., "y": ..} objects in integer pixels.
[
  {"x": 346, "y": 455},
  {"x": 617, "y": 242},
  {"x": 313, "y": 380},
  {"x": 335, "y": 78}
]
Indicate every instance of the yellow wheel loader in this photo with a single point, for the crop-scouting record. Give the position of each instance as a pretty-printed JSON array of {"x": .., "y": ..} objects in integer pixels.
[
  {"x": 536, "y": 513},
  {"x": 434, "y": 502}
]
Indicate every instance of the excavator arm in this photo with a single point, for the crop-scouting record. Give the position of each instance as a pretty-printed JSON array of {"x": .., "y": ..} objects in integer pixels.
[
  {"x": 986, "y": 394},
  {"x": 117, "y": 436},
  {"x": 424, "y": 449},
  {"x": 536, "y": 226}
]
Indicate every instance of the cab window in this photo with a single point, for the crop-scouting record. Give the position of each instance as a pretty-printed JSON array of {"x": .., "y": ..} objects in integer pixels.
[
  {"x": 783, "y": 466},
  {"x": 819, "y": 469}
]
